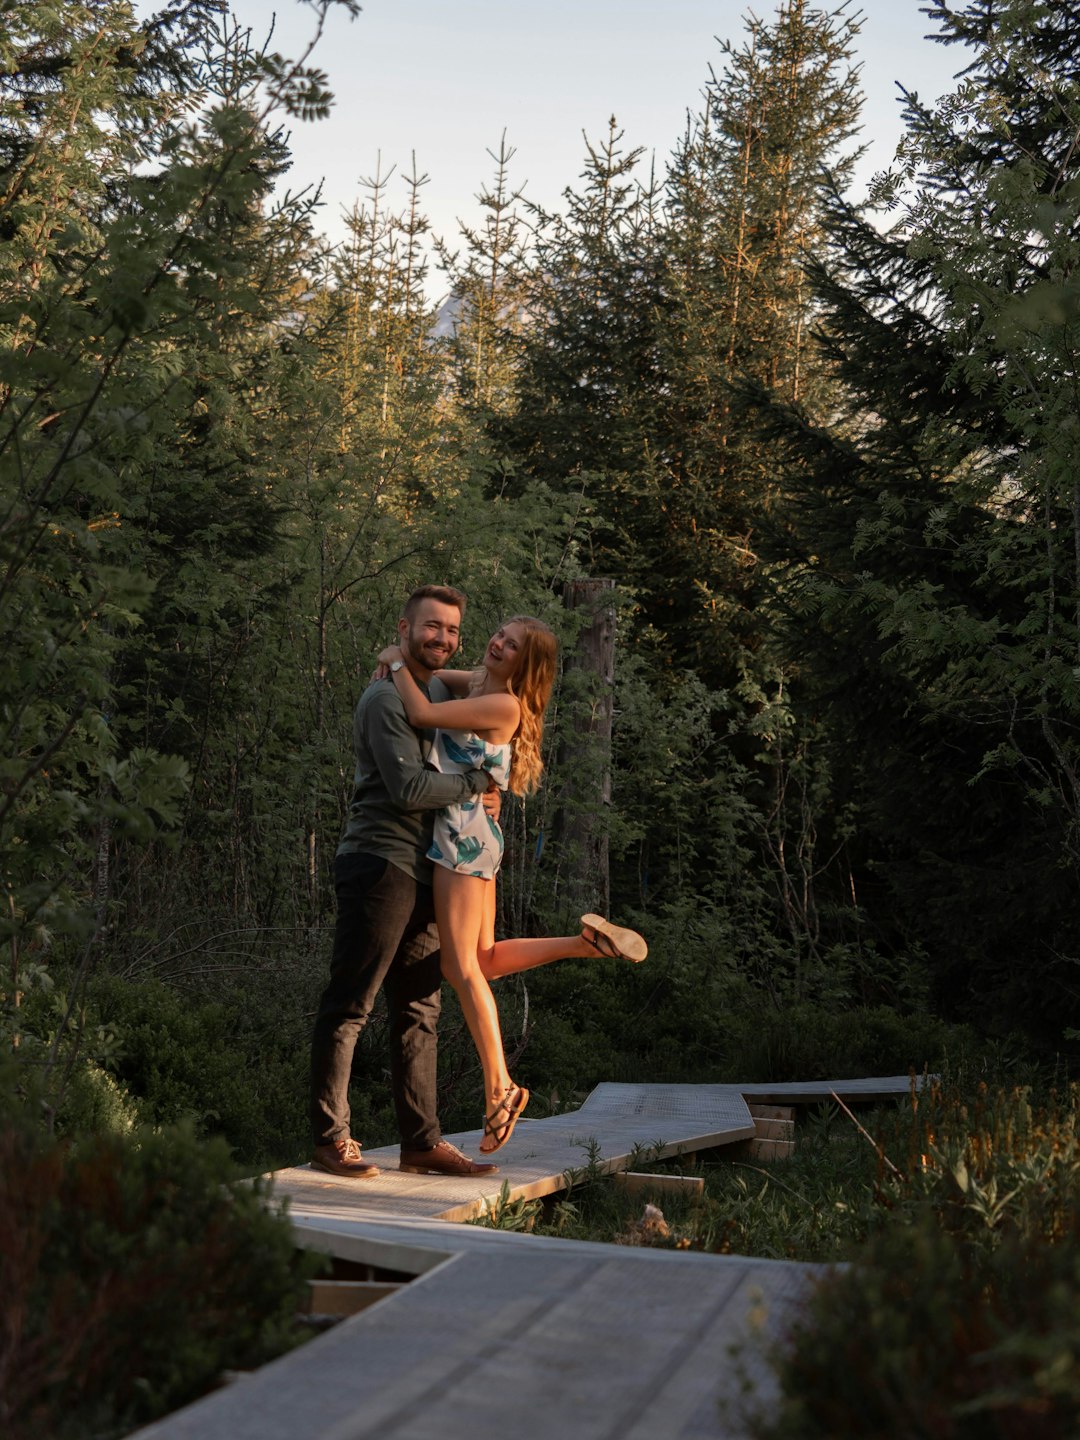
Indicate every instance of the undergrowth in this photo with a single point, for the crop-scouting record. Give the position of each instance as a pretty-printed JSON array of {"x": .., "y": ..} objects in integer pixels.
[
  {"x": 958, "y": 1212},
  {"x": 959, "y": 1320},
  {"x": 817, "y": 1206},
  {"x": 133, "y": 1273}
]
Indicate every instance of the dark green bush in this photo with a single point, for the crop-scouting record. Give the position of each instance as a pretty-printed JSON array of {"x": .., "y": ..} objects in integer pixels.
[
  {"x": 934, "y": 1337},
  {"x": 132, "y": 1273},
  {"x": 960, "y": 1319},
  {"x": 808, "y": 1042},
  {"x": 233, "y": 1067}
]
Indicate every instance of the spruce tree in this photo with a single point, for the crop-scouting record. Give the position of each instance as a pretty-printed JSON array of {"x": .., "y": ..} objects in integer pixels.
[
  {"x": 486, "y": 310},
  {"x": 743, "y": 208},
  {"x": 932, "y": 530},
  {"x": 588, "y": 380}
]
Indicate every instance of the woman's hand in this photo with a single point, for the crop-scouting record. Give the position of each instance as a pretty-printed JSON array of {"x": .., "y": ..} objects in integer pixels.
[{"x": 385, "y": 660}]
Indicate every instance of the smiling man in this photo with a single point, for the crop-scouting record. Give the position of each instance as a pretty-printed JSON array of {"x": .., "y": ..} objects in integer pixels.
[{"x": 385, "y": 935}]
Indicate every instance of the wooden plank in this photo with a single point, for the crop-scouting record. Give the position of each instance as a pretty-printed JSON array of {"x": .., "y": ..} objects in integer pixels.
[
  {"x": 760, "y": 1111},
  {"x": 622, "y": 1123},
  {"x": 810, "y": 1092},
  {"x": 770, "y": 1149},
  {"x": 347, "y": 1297},
  {"x": 523, "y": 1340},
  {"x": 636, "y": 1182},
  {"x": 774, "y": 1129},
  {"x": 531, "y": 1336}
]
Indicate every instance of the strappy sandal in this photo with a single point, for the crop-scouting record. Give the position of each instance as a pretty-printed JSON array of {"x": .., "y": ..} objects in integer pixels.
[
  {"x": 515, "y": 1098},
  {"x": 614, "y": 941}
]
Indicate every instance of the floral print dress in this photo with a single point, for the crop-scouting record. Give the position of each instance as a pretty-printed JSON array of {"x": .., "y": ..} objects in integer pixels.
[{"x": 465, "y": 837}]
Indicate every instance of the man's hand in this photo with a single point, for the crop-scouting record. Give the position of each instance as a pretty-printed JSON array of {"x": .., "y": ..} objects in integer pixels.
[{"x": 492, "y": 801}]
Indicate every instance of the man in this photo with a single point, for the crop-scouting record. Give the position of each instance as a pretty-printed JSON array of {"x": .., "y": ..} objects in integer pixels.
[{"x": 385, "y": 933}]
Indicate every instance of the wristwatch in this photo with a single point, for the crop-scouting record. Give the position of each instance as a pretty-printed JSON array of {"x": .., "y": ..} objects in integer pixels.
[{"x": 396, "y": 666}]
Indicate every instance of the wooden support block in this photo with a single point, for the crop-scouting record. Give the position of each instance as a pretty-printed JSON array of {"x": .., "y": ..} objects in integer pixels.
[
  {"x": 770, "y": 1149},
  {"x": 774, "y": 1129},
  {"x": 346, "y": 1297},
  {"x": 760, "y": 1111},
  {"x": 636, "y": 1183}
]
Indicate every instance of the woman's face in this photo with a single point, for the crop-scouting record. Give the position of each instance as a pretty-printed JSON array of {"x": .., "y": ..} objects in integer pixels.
[{"x": 504, "y": 649}]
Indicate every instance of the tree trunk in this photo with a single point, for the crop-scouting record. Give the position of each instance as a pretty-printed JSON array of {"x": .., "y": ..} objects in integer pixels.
[{"x": 585, "y": 749}]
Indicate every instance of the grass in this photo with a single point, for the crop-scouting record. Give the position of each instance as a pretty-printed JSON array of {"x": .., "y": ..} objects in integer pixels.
[
  {"x": 818, "y": 1205},
  {"x": 957, "y": 1319}
]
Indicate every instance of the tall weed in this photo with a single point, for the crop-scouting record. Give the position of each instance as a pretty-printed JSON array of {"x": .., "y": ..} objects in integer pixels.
[{"x": 959, "y": 1320}]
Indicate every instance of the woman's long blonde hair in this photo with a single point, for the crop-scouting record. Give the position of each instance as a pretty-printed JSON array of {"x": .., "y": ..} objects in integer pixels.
[{"x": 531, "y": 685}]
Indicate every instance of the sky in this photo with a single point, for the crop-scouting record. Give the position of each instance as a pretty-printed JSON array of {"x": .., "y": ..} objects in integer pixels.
[{"x": 445, "y": 78}]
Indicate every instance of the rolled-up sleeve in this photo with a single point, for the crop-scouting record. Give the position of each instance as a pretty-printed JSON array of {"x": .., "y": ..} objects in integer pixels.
[{"x": 395, "y": 749}]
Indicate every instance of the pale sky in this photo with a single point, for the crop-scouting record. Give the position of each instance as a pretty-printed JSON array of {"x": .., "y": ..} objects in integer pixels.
[{"x": 445, "y": 78}]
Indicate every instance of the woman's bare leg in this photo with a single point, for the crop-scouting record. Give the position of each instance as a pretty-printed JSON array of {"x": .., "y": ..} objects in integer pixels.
[
  {"x": 509, "y": 957},
  {"x": 465, "y": 911},
  {"x": 598, "y": 937}
]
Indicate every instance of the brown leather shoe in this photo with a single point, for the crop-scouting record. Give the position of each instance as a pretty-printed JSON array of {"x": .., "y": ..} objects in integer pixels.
[
  {"x": 342, "y": 1157},
  {"x": 442, "y": 1159}
]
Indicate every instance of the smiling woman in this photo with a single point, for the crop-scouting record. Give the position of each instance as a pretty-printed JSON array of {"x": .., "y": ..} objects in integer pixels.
[{"x": 494, "y": 722}]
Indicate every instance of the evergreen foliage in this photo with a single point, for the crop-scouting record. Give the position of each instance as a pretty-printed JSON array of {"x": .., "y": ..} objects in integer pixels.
[
  {"x": 828, "y": 465},
  {"x": 926, "y": 555},
  {"x": 743, "y": 211},
  {"x": 826, "y": 454}
]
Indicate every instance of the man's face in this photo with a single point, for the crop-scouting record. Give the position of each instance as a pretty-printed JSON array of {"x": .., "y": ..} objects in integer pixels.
[{"x": 432, "y": 638}]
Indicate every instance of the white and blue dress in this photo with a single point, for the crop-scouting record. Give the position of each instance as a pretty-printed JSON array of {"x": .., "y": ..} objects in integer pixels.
[{"x": 465, "y": 838}]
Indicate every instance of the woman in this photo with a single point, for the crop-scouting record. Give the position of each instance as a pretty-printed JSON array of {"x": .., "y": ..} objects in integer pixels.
[{"x": 494, "y": 722}]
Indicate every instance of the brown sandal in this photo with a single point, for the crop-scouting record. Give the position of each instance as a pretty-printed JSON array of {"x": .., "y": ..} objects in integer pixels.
[
  {"x": 515, "y": 1098},
  {"x": 614, "y": 941}
]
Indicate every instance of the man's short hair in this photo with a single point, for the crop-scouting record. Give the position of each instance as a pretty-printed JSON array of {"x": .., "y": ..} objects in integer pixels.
[{"x": 445, "y": 594}]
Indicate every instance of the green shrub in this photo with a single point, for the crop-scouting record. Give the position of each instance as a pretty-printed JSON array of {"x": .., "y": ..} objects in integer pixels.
[
  {"x": 808, "y": 1042},
  {"x": 933, "y": 1337},
  {"x": 94, "y": 1102},
  {"x": 232, "y": 1067},
  {"x": 988, "y": 1164},
  {"x": 960, "y": 1318},
  {"x": 132, "y": 1274}
]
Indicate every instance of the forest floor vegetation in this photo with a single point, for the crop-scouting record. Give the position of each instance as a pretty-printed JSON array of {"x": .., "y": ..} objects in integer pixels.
[{"x": 954, "y": 1217}]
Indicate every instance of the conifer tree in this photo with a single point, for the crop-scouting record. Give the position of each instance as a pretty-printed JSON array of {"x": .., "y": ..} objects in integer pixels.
[
  {"x": 486, "y": 309},
  {"x": 743, "y": 208},
  {"x": 588, "y": 379},
  {"x": 139, "y": 275},
  {"x": 935, "y": 524}
]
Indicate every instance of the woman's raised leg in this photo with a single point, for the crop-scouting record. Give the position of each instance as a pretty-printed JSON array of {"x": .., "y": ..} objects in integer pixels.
[{"x": 510, "y": 957}]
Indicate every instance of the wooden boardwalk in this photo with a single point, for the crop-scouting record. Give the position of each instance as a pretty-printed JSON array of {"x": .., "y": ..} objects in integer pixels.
[{"x": 508, "y": 1334}]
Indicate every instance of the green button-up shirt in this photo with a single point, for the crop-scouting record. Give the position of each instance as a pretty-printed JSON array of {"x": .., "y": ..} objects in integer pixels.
[{"x": 394, "y": 792}]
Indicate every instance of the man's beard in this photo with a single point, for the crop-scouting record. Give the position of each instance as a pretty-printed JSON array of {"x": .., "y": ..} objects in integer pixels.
[{"x": 431, "y": 656}]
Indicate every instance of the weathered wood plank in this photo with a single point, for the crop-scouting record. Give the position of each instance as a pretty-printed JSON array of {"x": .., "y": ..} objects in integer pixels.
[
  {"x": 526, "y": 1340},
  {"x": 509, "y": 1334}
]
